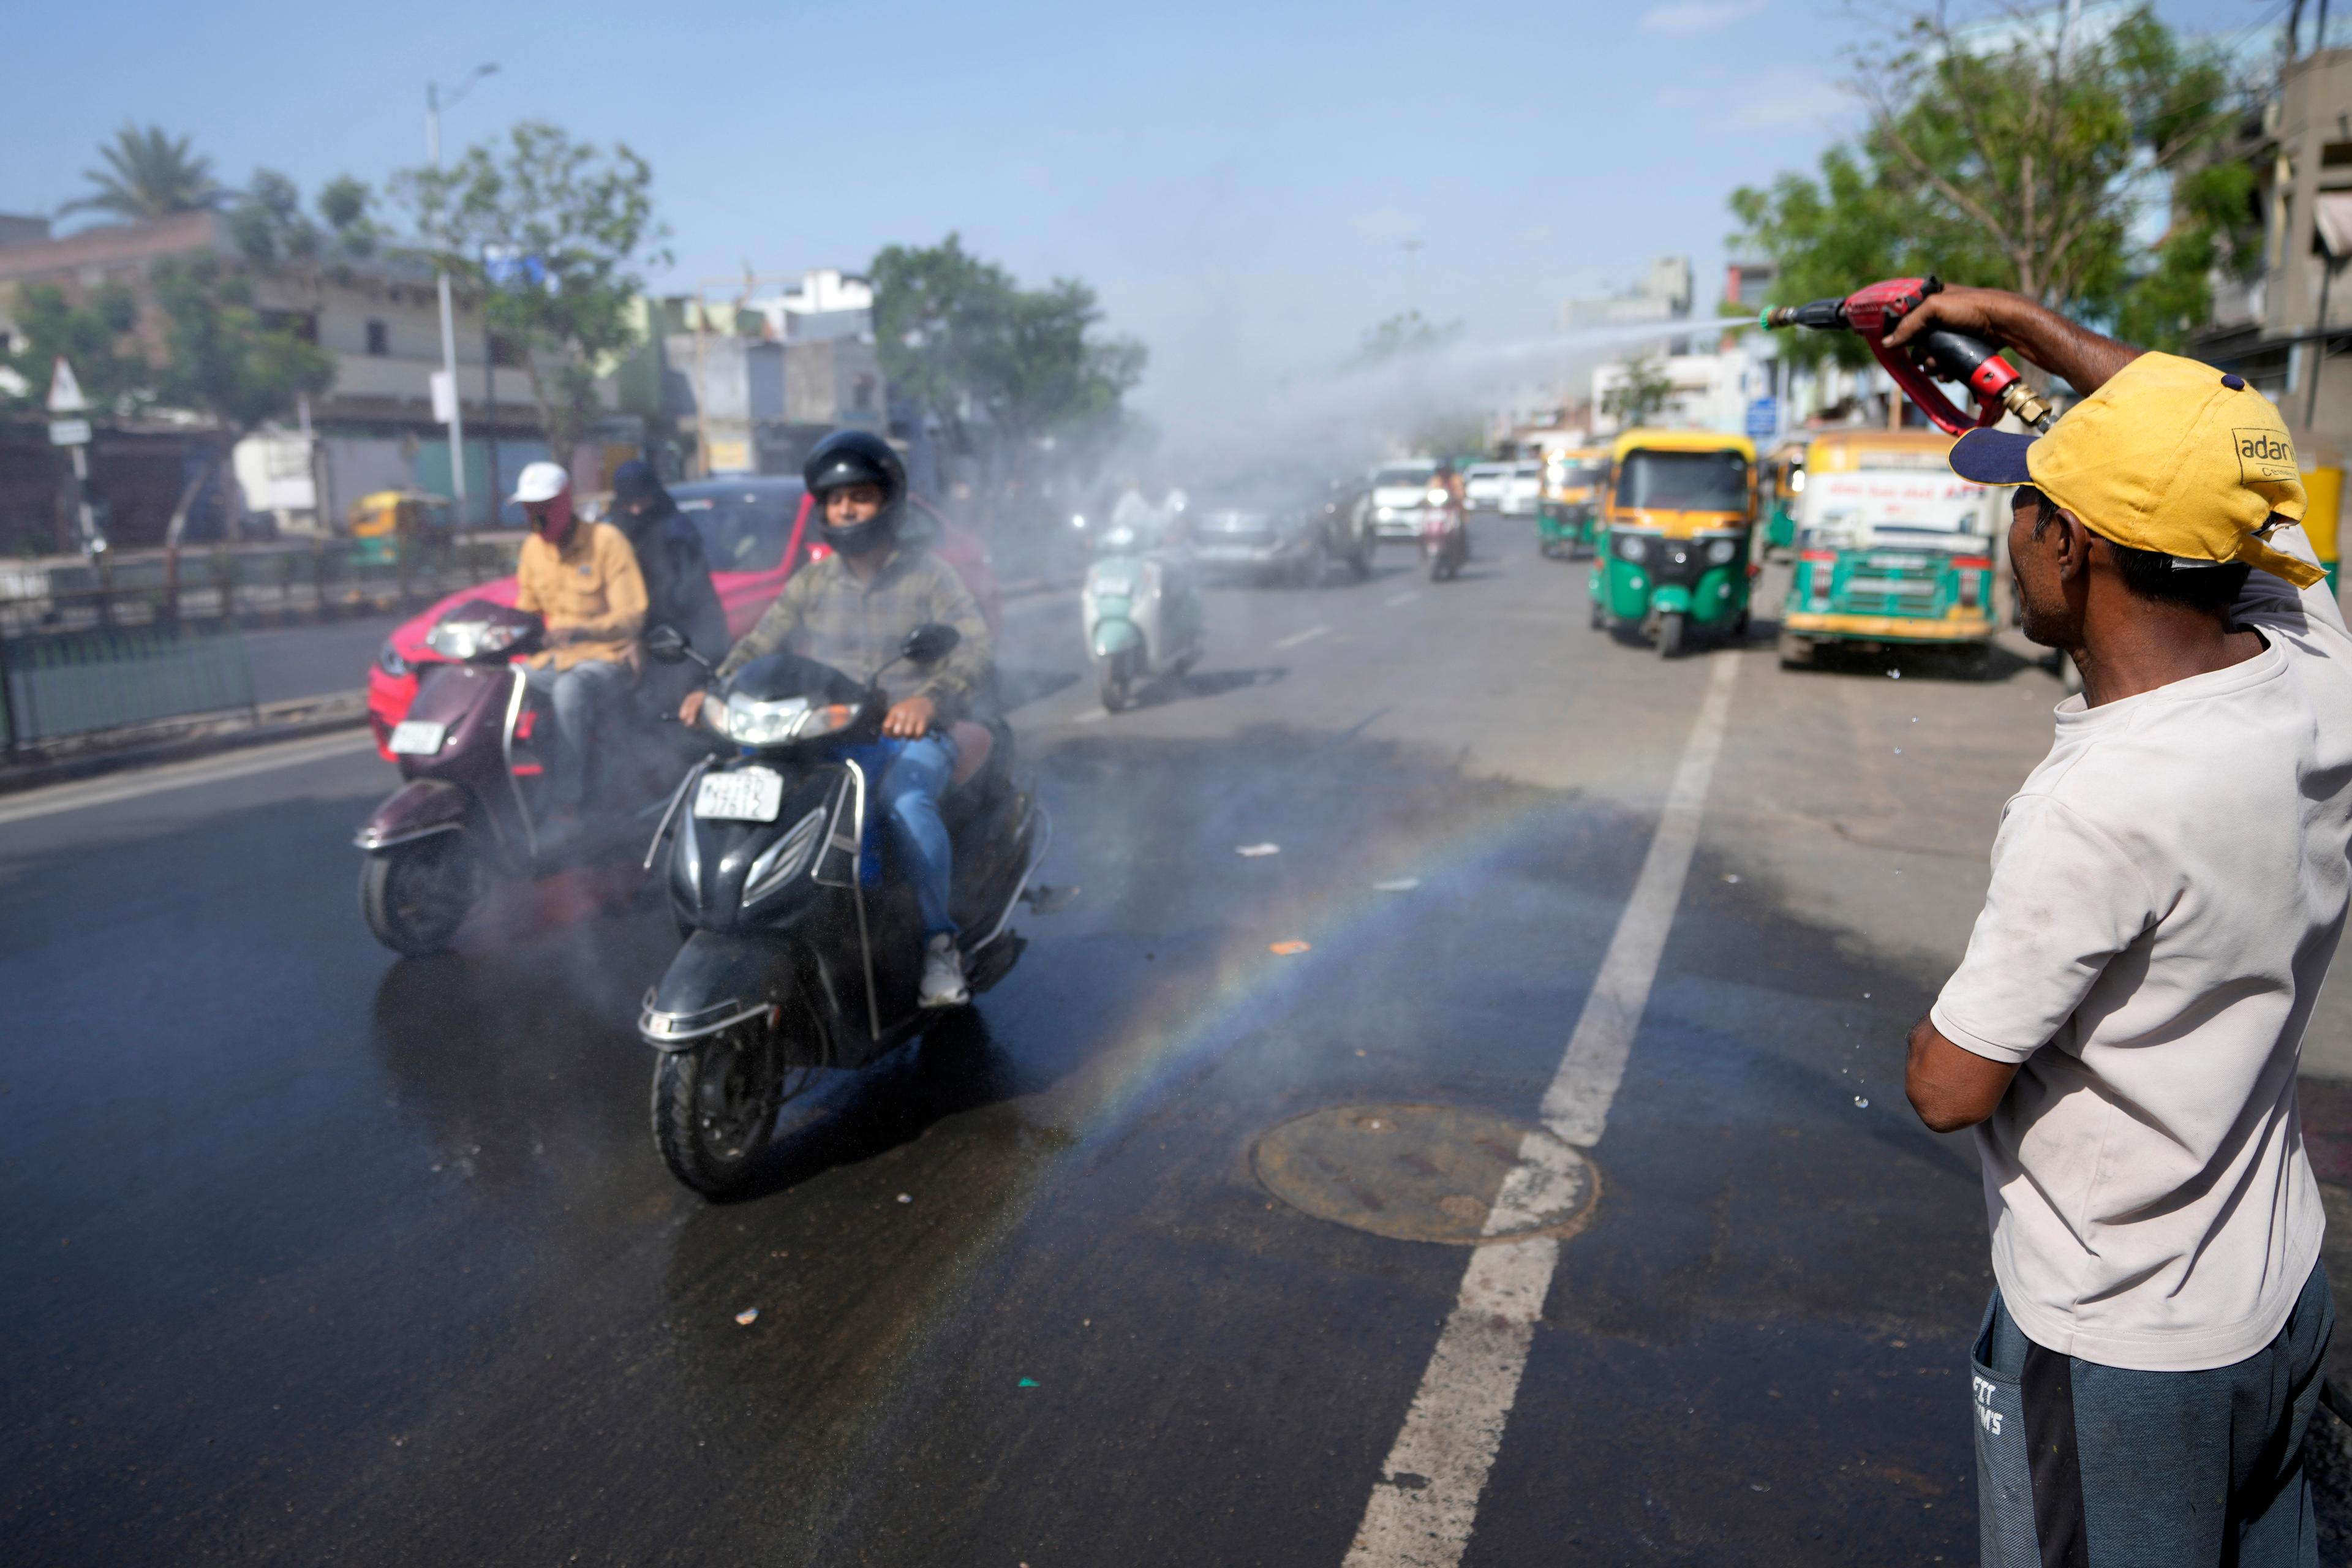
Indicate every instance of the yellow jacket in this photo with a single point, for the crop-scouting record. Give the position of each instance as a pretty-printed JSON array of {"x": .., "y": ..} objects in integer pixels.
[{"x": 592, "y": 586}]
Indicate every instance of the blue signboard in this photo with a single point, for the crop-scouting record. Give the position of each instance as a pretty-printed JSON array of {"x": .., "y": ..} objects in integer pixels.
[{"x": 1763, "y": 417}]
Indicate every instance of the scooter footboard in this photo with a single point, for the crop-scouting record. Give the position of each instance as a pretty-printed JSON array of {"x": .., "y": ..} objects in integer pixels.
[{"x": 718, "y": 979}]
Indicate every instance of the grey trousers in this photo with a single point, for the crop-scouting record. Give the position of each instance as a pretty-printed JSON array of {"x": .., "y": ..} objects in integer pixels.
[
  {"x": 585, "y": 697},
  {"x": 2085, "y": 1466}
]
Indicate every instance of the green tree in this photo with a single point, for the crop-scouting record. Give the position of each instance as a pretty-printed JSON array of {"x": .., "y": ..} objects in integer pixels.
[
  {"x": 228, "y": 359},
  {"x": 96, "y": 336},
  {"x": 1641, "y": 395},
  {"x": 961, "y": 337},
  {"x": 2020, "y": 155},
  {"x": 270, "y": 228},
  {"x": 572, "y": 224},
  {"x": 149, "y": 175}
]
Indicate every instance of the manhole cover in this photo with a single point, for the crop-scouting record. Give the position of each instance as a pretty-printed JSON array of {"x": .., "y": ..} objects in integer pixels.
[{"x": 1427, "y": 1172}]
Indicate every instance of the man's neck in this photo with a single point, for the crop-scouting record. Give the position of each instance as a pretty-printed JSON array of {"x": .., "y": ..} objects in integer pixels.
[
  {"x": 2156, "y": 645},
  {"x": 866, "y": 567}
]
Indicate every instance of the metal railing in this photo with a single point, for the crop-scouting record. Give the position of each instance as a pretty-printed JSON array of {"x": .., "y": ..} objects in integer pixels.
[
  {"x": 133, "y": 647},
  {"x": 79, "y": 682}
]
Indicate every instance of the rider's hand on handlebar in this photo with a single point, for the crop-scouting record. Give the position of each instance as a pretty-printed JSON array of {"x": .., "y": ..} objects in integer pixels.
[
  {"x": 911, "y": 720},
  {"x": 691, "y": 709}
]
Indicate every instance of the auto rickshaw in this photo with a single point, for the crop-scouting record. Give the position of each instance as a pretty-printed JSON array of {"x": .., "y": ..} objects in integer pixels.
[
  {"x": 1784, "y": 485},
  {"x": 383, "y": 522},
  {"x": 1892, "y": 550},
  {"x": 1573, "y": 481},
  {"x": 1676, "y": 538}
]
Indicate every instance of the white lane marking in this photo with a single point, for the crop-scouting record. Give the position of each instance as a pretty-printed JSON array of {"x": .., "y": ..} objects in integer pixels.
[
  {"x": 1092, "y": 716},
  {"x": 74, "y": 797},
  {"x": 1295, "y": 638},
  {"x": 1425, "y": 1502},
  {"x": 1407, "y": 597}
]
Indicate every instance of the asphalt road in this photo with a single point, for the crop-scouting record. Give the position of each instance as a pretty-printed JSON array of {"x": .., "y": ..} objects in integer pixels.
[{"x": 318, "y": 1256}]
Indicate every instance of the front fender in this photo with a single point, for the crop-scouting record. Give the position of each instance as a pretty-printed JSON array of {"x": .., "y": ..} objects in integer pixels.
[
  {"x": 1671, "y": 598},
  {"x": 716, "y": 980},
  {"x": 1116, "y": 637},
  {"x": 417, "y": 809}
]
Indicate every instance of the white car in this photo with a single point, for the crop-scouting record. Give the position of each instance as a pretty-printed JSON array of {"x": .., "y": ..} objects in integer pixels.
[
  {"x": 1520, "y": 488},
  {"x": 1399, "y": 495},
  {"x": 1483, "y": 486}
]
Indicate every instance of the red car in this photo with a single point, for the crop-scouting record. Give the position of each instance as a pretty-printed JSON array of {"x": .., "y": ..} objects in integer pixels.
[{"x": 756, "y": 531}]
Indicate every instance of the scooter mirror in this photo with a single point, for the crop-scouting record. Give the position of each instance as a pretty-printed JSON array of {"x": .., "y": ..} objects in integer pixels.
[
  {"x": 931, "y": 642},
  {"x": 663, "y": 645}
]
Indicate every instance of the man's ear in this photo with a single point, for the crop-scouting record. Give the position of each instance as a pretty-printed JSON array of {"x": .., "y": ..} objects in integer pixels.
[{"x": 2070, "y": 543}]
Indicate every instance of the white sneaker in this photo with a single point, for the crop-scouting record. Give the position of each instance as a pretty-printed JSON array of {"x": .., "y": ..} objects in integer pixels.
[{"x": 943, "y": 984}]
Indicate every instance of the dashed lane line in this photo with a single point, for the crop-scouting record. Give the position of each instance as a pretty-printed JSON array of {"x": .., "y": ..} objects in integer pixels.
[
  {"x": 1407, "y": 597},
  {"x": 1295, "y": 638},
  {"x": 75, "y": 796},
  {"x": 1426, "y": 1503}
]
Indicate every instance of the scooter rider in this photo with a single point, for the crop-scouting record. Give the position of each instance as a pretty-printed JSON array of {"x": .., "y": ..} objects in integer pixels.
[
  {"x": 676, "y": 571},
  {"x": 852, "y": 610},
  {"x": 583, "y": 581}
]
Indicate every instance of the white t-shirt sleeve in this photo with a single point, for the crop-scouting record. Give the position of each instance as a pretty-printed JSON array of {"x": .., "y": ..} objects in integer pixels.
[{"x": 2064, "y": 900}]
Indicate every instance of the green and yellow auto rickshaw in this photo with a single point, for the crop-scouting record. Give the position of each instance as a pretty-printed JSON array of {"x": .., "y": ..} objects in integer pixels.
[
  {"x": 1676, "y": 536},
  {"x": 385, "y": 523},
  {"x": 1784, "y": 487},
  {"x": 1893, "y": 548},
  {"x": 1573, "y": 482}
]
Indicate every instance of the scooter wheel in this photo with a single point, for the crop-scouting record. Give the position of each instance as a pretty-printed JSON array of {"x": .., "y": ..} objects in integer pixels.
[
  {"x": 715, "y": 1106},
  {"x": 415, "y": 896},
  {"x": 1115, "y": 694}
]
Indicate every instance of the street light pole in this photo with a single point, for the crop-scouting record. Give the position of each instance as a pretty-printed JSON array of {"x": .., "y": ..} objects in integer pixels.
[{"x": 448, "y": 316}]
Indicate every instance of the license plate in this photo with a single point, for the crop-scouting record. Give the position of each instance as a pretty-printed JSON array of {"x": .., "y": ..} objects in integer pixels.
[
  {"x": 1114, "y": 587},
  {"x": 1899, "y": 562},
  {"x": 747, "y": 794},
  {"x": 418, "y": 738}
]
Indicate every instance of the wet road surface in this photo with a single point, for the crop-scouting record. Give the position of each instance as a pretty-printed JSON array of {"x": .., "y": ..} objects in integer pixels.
[{"x": 319, "y": 1256}]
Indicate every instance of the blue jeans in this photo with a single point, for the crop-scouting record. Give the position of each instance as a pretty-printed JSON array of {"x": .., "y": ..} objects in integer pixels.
[
  {"x": 581, "y": 697},
  {"x": 2078, "y": 1462},
  {"x": 910, "y": 790}
]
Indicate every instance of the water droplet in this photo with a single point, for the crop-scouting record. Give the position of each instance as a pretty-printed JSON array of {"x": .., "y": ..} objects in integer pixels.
[
  {"x": 1893, "y": 675},
  {"x": 1898, "y": 750},
  {"x": 906, "y": 1197},
  {"x": 1862, "y": 1101}
]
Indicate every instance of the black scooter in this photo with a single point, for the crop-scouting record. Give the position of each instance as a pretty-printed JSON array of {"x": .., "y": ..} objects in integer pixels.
[{"x": 802, "y": 952}]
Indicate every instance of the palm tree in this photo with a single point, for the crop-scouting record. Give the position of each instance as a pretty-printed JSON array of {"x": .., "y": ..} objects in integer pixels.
[{"x": 149, "y": 175}]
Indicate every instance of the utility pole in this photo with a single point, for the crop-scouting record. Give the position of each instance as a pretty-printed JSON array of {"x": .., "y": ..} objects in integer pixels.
[{"x": 448, "y": 317}]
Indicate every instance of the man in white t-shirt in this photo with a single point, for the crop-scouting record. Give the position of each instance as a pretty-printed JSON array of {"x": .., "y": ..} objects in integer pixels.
[{"x": 2168, "y": 887}]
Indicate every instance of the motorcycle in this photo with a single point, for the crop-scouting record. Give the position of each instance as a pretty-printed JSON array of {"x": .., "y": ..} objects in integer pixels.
[
  {"x": 802, "y": 955},
  {"x": 1445, "y": 537},
  {"x": 471, "y": 809},
  {"x": 1142, "y": 615}
]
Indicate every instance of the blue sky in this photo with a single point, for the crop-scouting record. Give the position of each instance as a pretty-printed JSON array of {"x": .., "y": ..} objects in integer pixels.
[{"x": 1236, "y": 181}]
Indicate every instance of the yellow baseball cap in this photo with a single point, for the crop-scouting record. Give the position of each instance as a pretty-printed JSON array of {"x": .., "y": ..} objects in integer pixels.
[{"x": 2170, "y": 455}]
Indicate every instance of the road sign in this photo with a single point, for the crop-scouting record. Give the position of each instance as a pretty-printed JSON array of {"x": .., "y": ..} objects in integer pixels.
[
  {"x": 65, "y": 392},
  {"x": 69, "y": 432},
  {"x": 445, "y": 397},
  {"x": 1763, "y": 417}
]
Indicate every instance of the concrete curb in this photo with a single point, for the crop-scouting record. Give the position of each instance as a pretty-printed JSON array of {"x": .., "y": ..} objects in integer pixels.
[{"x": 184, "y": 740}]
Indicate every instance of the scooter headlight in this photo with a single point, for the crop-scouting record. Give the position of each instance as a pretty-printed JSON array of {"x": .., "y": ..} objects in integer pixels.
[
  {"x": 466, "y": 640},
  {"x": 751, "y": 722},
  {"x": 1721, "y": 551}
]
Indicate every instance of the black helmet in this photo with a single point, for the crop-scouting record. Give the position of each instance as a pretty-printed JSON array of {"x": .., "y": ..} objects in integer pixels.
[{"x": 857, "y": 458}]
